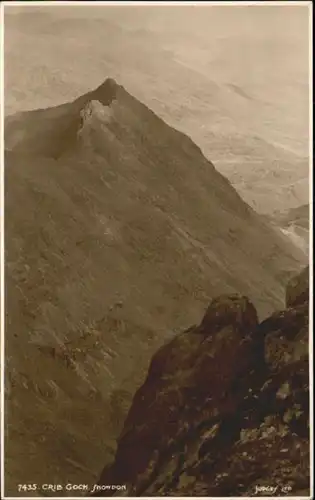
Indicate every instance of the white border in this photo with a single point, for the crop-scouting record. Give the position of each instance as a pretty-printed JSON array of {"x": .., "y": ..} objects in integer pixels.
[
  {"x": 155, "y": 3},
  {"x": 2, "y": 314},
  {"x": 282, "y": 3},
  {"x": 311, "y": 265}
]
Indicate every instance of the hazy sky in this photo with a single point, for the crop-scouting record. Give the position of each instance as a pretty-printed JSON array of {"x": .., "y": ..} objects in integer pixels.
[{"x": 173, "y": 58}]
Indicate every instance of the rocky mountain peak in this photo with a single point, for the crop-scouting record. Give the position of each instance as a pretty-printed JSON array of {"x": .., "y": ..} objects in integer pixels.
[
  {"x": 107, "y": 92},
  {"x": 233, "y": 310}
]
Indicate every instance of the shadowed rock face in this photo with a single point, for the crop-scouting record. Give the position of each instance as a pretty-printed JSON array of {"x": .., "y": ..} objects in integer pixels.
[
  {"x": 224, "y": 408},
  {"x": 297, "y": 289}
]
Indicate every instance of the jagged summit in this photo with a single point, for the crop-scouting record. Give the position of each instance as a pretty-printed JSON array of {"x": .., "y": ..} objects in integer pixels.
[
  {"x": 226, "y": 309},
  {"x": 53, "y": 131},
  {"x": 107, "y": 92}
]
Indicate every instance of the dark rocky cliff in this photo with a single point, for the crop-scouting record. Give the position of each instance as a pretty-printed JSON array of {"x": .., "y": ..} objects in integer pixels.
[{"x": 224, "y": 409}]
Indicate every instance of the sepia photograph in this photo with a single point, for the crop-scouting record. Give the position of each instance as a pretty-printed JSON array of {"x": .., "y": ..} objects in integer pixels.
[{"x": 156, "y": 234}]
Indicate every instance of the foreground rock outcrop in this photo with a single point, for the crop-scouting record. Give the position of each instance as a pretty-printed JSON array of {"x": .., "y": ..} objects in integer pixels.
[{"x": 224, "y": 410}]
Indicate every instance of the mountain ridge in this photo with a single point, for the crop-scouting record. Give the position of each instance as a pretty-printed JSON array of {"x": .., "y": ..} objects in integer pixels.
[{"x": 106, "y": 208}]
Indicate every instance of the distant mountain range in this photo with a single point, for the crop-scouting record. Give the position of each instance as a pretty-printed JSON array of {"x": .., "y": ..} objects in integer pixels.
[{"x": 119, "y": 232}]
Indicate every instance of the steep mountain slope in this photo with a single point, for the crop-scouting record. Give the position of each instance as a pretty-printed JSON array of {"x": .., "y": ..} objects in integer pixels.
[
  {"x": 193, "y": 66},
  {"x": 224, "y": 410},
  {"x": 117, "y": 230}
]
